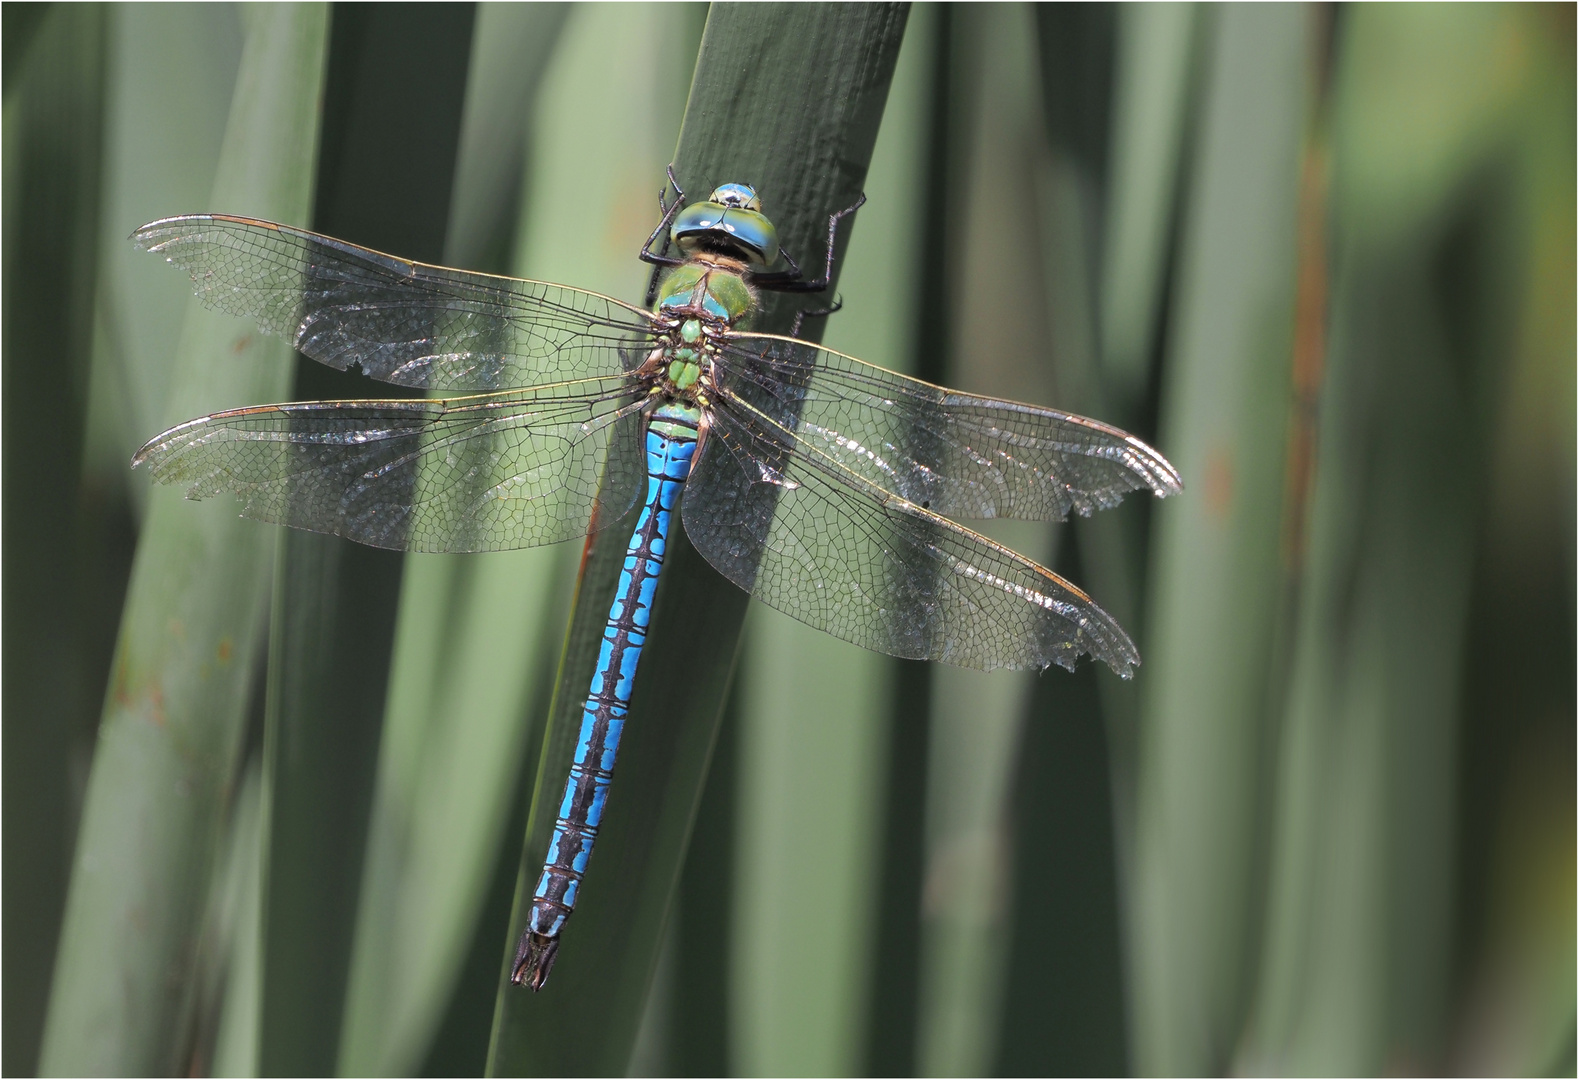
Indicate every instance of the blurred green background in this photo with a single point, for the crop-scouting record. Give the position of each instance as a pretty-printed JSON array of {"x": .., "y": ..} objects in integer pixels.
[{"x": 265, "y": 795}]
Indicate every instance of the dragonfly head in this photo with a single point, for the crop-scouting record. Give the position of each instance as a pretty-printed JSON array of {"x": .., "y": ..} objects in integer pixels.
[
  {"x": 740, "y": 196},
  {"x": 729, "y": 223}
]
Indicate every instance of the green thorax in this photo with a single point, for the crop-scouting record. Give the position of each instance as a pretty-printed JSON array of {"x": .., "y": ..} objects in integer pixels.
[
  {"x": 723, "y": 240},
  {"x": 710, "y": 288}
]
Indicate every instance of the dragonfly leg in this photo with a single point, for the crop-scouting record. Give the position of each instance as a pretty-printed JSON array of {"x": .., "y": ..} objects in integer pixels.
[
  {"x": 661, "y": 258},
  {"x": 665, "y": 211},
  {"x": 814, "y": 313},
  {"x": 791, "y": 280}
]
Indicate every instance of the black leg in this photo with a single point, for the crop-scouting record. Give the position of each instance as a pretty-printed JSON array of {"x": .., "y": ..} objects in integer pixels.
[
  {"x": 794, "y": 267},
  {"x": 814, "y": 313},
  {"x": 661, "y": 258},
  {"x": 679, "y": 195},
  {"x": 668, "y": 212},
  {"x": 791, "y": 280}
]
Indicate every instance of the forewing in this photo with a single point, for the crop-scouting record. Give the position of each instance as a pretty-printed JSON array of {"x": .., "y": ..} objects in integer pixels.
[
  {"x": 821, "y": 543},
  {"x": 403, "y": 322},
  {"x": 957, "y": 454},
  {"x": 487, "y": 473}
]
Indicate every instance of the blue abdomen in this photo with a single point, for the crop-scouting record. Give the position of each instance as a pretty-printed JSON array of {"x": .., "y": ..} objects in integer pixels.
[{"x": 671, "y": 442}]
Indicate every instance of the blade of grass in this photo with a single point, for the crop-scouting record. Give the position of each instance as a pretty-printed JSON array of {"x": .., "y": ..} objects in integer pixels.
[
  {"x": 1214, "y": 601},
  {"x": 511, "y": 48},
  {"x": 164, "y": 127},
  {"x": 1429, "y": 227},
  {"x": 1063, "y": 1006},
  {"x": 1126, "y": 266},
  {"x": 1000, "y": 348},
  {"x": 1110, "y": 370},
  {"x": 813, "y": 752},
  {"x": 463, "y": 684},
  {"x": 1156, "y": 65},
  {"x": 236, "y": 1038},
  {"x": 1150, "y": 110},
  {"x": 1514, "y": 918},
  {"x": 696, "y": 1040},
  {"x": 476, "y": 637},
  {"x": 788, "y": 98},
  {"x": 52, "y": 697},
  {"x": 384, "y": 180},
  {"x": 894, "y": 992},
  {"x": 165, "y": 762},
  {"x": 225, "y": 1024}
]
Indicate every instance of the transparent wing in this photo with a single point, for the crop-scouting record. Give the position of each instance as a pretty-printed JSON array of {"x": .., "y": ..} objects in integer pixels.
[
  {"x": 403, "y": 322},
  {"x": 956, "y": 454},
  {"x": 820, "y": 543},
  {"x": 486, "y": 473}
]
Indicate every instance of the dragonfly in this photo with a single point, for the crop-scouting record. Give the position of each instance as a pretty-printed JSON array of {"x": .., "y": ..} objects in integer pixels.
[{"x": 824, "y": 486}]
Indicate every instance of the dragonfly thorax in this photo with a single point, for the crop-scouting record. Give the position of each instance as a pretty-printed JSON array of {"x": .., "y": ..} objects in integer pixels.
[
  {"x": 686, "y": 358},
  {"x": 683, "y": 359},
  {"x": 699, "y": 303},
  {"x": 711, "y": 288}
]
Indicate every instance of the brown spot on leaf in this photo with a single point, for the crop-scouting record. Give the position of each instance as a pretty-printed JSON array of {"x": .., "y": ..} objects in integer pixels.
[
  {"x": 156, "y": 704},
  {"x": 1219, "y": 483}
]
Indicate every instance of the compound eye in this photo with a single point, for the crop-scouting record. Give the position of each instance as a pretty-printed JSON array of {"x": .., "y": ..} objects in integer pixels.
[{"x": 738, "y": 196}]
